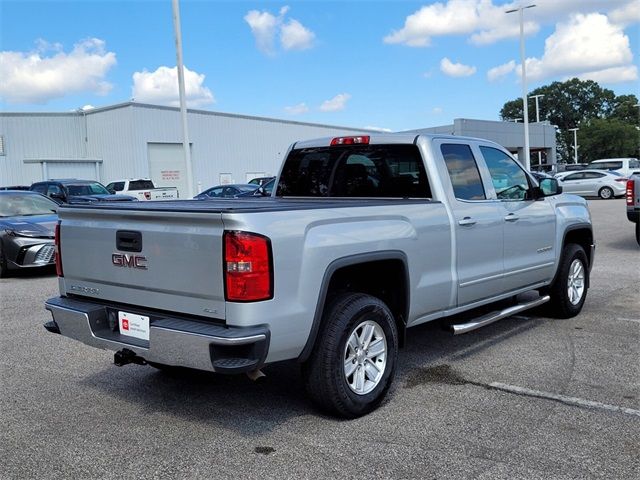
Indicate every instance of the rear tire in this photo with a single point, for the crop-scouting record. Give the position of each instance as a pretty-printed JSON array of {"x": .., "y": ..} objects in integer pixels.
[
  {"x": 353, "y": 362},
  {"x": 4, "y": 271},
  {"x": 569, "y": 289},
  {"x": 606, "y": 193}
]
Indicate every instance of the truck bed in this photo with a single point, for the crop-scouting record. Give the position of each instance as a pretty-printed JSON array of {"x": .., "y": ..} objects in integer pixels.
[{"x": 233, "y": 205}]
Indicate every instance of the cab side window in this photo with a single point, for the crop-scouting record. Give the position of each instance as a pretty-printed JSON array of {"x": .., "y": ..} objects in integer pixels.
[
  {"x": 508, "y": 178},
  {"x": 40, "y": 188},
  {"x": 463, "y": 171},
  {"x": 54, "y": 189}
]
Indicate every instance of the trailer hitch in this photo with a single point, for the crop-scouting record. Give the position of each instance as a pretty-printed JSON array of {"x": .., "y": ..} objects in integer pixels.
[{"x": 126, "y": 356}]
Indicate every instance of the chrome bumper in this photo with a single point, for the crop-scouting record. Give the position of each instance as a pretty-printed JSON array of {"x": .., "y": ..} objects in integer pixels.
[{"x": 172, "y": 340}]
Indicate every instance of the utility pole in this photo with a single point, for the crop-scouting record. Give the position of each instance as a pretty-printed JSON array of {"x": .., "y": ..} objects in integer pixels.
[
  {"x": 527, "y": 160},
  {"x": 181, "y": 91}
]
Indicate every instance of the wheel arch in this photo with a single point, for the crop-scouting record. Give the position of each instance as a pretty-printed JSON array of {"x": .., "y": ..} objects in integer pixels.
[
  {"x": 354, "y": 273},
  {"x": 580, "y": 234}
]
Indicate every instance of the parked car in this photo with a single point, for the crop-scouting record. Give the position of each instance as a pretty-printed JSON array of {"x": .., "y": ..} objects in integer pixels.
[
  {"x": 365, "y": 237},
  {"x": 143, "y": 189},
  {"x": 27, "y": 223},
  {"x": 570, "y": 167},
  {"x": 261, "y": 192},
  {"x": 16, "y": 187},
  {"x": 227, "y": 191},
  {"x": 624, "y": 166},
  {"x": 593, "y": 183},
  {"x": 260, "y": 181},
  {"x": 77, "y": 191},
  {"x": 633, "y": 203}
]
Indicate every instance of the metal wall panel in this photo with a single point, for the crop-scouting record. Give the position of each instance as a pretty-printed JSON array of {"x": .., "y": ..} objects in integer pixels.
[{"x": 119, "y": 135}]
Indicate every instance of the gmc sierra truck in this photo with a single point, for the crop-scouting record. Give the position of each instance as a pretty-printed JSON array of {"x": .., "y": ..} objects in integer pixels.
[
  {"x": 633, "y": 203},
  {"x": 363, "y": 238},
  {"x": 143, "y": 189}
]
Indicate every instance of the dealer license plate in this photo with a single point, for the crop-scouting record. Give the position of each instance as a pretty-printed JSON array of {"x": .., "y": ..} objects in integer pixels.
[{"x": 134, "y": 325}]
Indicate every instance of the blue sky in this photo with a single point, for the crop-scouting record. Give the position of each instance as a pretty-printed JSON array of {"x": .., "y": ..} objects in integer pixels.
[{"x": 393, "y": 65}]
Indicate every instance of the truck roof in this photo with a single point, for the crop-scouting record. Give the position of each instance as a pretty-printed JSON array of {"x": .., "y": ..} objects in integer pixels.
[{"x": 382, "y": 139}]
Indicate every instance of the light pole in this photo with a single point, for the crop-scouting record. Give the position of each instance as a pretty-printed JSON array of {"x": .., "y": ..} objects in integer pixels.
[
  {"x": 538, "y": 121},
  {"x": 527, "y": 160},
  {"x": 181, "y": 92},
  {"x": 575, "y": 144}
]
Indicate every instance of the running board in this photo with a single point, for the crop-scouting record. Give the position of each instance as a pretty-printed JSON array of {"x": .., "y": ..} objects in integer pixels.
[{"x": 495, "y": 316}]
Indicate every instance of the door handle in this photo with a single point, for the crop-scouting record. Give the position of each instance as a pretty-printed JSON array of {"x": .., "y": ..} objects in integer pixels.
[
  {"x": 512, "y": 217},
  {"x": 466, "y": 221}
]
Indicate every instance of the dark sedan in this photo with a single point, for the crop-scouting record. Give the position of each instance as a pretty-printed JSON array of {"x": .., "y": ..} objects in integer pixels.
[
  {"x": 27, "y": 226},
  {"x": 227, "y": 191},
  {"x": 78, "y": 191}
]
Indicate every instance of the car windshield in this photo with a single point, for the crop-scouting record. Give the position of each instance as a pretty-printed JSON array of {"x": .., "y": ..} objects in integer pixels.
[
  {"x": 19, "y": 205},
  {"x": 86, "y": 189}
]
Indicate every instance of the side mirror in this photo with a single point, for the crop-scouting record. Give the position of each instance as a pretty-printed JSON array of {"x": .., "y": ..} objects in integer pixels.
[
  {"x": 57, "y": 196},
  {"x": 549, "y": 187}
]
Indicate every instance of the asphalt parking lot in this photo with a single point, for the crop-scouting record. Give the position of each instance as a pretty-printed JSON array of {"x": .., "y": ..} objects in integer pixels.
[{"x": 527, "y": 397}]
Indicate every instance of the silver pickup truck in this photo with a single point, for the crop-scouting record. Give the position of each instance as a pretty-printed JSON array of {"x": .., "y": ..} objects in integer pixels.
[{"x": 363, "y": 238}]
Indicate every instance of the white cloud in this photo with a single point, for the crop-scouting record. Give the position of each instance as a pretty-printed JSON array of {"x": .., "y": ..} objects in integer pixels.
[
  {"x": 298, "y": 109},
  {"x": 48, "y": 72},
  {"x": 161, "y": 87},
  {"x": 337, "y": 103},
  {"x": 437, "y": 110},
  {"x": 295, "y": 36},
  {"x": 626, "y": 14},
  {"x": 584, "y": 44},
  {"x": 501, "y": 70},
  {"x": 486, "y": 21},
  {"x": 456, "y": 69},
  {"x": 87, "y": 107},
  {"x": 612, "y": 75},
  {"x": 265, "y": 26}
]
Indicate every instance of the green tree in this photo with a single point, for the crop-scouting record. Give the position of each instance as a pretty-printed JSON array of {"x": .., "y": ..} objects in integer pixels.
[
  {"x": 566, "y": 105},
  {"x": 607, "y": 138},
  {"x": 626, "y": 109}
]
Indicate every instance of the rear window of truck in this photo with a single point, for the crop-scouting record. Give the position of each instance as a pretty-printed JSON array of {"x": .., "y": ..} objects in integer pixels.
[
  {"x": 392, "y": 171},
  {"x": 140, "y": 185}
]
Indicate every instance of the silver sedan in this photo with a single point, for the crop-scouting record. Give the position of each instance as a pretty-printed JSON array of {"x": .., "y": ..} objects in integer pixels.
[{"x": 593, "y": 183}]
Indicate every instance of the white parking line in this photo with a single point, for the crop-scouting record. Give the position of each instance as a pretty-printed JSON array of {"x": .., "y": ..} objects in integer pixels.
[
  {"x": 580, "y": 402},
  {"x": 636, "y": 320}
]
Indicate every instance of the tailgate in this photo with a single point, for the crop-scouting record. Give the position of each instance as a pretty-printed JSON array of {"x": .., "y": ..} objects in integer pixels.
[{"x": 157, "y": 259}]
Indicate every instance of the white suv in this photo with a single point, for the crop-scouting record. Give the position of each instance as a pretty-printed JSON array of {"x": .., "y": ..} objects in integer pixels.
[{"x": 624, "y": 166}]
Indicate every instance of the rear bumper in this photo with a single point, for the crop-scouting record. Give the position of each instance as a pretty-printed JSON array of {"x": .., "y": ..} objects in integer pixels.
[
  {"x": 633, "y": 215},
  {"x": 172, "y": 341}
]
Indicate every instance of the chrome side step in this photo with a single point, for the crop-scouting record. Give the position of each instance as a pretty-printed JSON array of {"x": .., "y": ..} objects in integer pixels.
[{"x": 495, "y": 316}]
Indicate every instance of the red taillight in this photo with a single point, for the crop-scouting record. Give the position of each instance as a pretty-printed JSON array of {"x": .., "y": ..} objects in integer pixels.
[
  {"x": 630, "y": 192},
  {"x": 58, "y": 253},
  {"x": 247, "y": 267},
  {"x": 360, "y": 140}
]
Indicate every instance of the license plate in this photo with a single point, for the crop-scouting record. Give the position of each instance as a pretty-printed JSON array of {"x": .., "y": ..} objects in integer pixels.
[{"x": 134, "y": 325}]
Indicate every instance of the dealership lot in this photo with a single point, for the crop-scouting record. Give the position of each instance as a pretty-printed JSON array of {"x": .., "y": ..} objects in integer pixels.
[{"x": 527, "y": 397}]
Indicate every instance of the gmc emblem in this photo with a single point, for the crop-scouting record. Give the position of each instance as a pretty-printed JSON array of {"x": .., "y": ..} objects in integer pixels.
[{"x": 129, "y": 261}]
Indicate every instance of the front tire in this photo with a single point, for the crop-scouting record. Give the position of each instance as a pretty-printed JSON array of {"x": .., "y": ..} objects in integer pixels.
[
  {"x": 606, "y": 193},
  {"x": 569, "y": 289},
  {"x": 352, "y": 365},
  {"x": 4, "y": 271}
]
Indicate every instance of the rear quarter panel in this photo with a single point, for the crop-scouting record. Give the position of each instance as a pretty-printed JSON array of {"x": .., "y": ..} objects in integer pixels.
[{"x": 306, "y": 242}]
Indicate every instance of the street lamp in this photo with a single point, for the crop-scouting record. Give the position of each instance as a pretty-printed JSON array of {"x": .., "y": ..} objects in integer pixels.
[
  {"x": 575, "y": 143},
  {"x": 527, "y": 160},
  {"x": 538, "y": 121},
  {"x": 537, "y": 107}
]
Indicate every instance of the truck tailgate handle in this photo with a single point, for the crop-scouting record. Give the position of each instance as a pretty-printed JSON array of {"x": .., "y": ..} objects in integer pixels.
[
  {"x": 467, "y": 221},
  {"x": 128, "y": 241},
  {"x": 512, "y": 217}
]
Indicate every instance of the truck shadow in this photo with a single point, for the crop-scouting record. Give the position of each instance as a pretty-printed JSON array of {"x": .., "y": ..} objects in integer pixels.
[{"x": 249, "y": 407}]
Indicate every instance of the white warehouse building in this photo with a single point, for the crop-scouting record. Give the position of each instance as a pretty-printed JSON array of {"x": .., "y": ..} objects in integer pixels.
[
  {"x": 145, "y": 141},
  {"x": 135, "y": 140}
]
